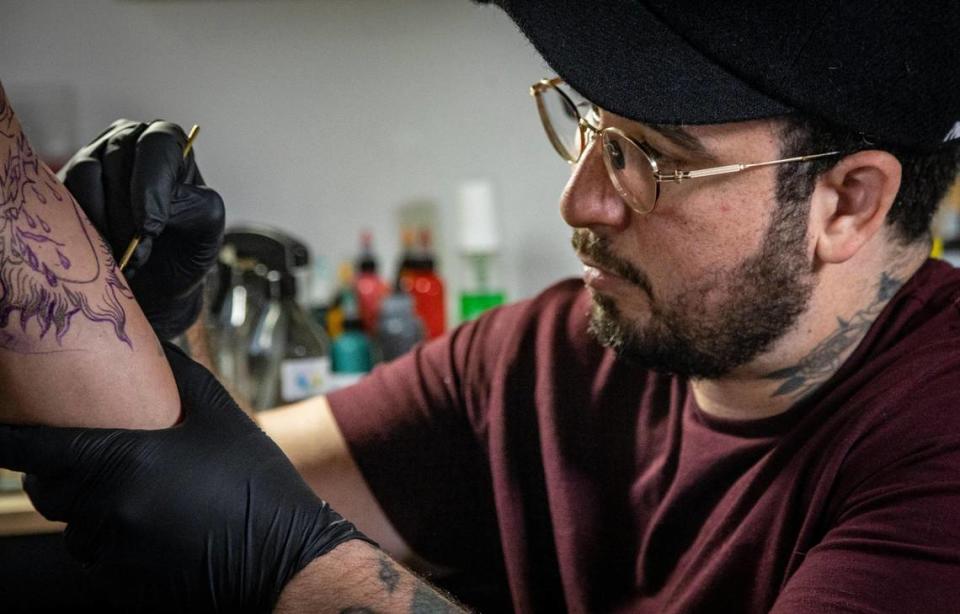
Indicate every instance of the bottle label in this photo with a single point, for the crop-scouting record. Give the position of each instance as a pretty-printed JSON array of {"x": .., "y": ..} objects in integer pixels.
[
  {"x": 304, "y": 377},
  {"x": 342, "y": 380}
]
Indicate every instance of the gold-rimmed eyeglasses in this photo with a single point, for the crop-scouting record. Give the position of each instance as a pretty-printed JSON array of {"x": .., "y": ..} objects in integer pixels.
[{"x": 631, "y": 163}]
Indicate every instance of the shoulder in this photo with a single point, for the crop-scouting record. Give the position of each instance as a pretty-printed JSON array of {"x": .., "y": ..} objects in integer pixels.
[
  {"x": 900, "y": 393},
  {"x": 917, "y": 332},
  {"x": 901, "y": 402},
  {"x": 930, "y": 297},
  {"x": 911, "y": 365}
]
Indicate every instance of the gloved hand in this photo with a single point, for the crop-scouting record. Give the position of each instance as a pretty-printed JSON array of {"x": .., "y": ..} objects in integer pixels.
[
  {"x": 133, "y": 179},
  {"x": 208, "y": 515}
]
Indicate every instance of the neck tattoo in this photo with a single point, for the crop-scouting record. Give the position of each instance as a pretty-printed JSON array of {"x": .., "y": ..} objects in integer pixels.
[{"x": 824, "y": 360}]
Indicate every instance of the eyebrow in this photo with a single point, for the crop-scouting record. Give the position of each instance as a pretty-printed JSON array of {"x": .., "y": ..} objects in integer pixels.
[{"x": 682, "y": 138}]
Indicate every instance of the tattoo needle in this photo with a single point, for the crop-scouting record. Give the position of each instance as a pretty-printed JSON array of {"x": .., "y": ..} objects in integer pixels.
[{"x": 128, "y": 254}]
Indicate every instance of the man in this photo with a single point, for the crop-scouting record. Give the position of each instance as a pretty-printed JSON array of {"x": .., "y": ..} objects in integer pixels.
[{"x": 750, "y": 404}]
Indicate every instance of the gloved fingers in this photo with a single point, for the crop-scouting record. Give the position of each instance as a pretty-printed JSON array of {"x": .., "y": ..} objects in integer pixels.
[
  {"x": 174, "y": 352},
  {"x": 53, "y": 497},
  {"x": 191, "y": 378},
  {"x": 118, "y": 125},
  {"x": 198, "y": 217},
  {"x": 85, "y": 181},
  {"x": 186, "y": 251},
  {"x": 42, "y": 450},
  {"x": 117, "y": 161},
  {"x": 83, "y": 539},
  {"x": 197, "y": 212},
  {"x": 172, "y": 318},
  {"x": 193, "y": 176},
  {"x": 88, "y": 468},
  {"x": 206, "y": 404},
  {"x": 157, "y": 169},
  {"x": 95, "y": 148},
  {"x": 81, "y": 542},
  {"x": 139, "y": 258}
]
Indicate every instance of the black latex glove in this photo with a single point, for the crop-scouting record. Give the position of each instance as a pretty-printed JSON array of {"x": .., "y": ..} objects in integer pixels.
[
  {"x": 206, "y": 516},
  {"x": 133, "y": 179}
]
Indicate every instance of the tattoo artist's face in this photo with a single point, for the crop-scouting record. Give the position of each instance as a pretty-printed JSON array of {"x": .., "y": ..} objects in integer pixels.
[{"x": 710, "y": 279}]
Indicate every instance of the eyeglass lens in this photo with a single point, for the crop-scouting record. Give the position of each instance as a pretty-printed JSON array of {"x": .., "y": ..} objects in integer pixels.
[
  {"x": 564, "y": 122},
  {"x": 628, "y": 166},
  {"x": 630, "y": 171}
]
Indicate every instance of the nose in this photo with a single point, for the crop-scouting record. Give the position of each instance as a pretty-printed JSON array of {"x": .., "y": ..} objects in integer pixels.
[{"x": 589, "y": 199}]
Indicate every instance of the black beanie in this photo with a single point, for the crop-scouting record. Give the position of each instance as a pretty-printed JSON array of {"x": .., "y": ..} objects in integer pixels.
[{"x": 889, "y": 69}]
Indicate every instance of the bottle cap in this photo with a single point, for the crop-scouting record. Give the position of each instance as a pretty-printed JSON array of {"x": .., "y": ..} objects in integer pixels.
[
  {"x": 426, "y": 258},
  {"x": 366, "y": 262}
]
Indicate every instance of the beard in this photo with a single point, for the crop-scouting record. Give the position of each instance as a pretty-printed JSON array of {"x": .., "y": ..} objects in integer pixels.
[{"x": 762, "y": 298}]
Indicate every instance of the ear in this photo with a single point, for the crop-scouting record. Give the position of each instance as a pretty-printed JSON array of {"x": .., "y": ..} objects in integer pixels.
[{"x": 851, "y": 202}]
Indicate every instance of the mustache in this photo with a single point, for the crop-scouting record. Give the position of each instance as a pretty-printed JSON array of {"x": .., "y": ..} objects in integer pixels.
[{"x": 598, "y": 250}]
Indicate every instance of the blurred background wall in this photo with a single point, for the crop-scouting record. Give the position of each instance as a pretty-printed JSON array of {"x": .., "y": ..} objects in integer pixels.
[{"x": 321, "y": 117}]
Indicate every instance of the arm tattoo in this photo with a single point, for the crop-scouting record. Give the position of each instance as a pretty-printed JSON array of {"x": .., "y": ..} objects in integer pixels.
[
  {"x": 828, "y": 355},
  {"x": 388, "y": 574},
  {"x": 44, "y": 282},
  {"x": 426, "y": 600}
]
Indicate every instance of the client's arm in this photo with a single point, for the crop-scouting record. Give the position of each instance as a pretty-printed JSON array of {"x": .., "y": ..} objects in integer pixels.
[
  {"x": 75, "y": 349},
  {"x": 207, "y": 516}
]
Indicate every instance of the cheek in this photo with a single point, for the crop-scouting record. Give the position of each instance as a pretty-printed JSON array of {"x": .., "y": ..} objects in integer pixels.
[{"x": 700, "y": 238}]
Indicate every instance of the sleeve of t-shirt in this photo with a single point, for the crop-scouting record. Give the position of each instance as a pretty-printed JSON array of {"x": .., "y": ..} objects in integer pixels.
[
  {"x": 414, "y": 427},
  {"x": 895, "y": 543}
]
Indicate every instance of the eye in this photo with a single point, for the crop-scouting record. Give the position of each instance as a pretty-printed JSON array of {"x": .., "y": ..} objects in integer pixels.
[{"x": 615, "y": 155}]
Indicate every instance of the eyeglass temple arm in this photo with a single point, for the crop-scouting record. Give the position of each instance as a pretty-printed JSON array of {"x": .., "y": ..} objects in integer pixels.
[{"x": 679, "y": 175}]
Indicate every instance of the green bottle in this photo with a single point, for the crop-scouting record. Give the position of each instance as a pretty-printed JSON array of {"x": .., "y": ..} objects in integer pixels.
[{"x": 351, "y": 351}]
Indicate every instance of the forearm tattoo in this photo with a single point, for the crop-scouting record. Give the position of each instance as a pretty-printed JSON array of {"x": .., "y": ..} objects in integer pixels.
[
  {"x": 830, "y": 353},
  {"x": 425, "y": 600},
  {"x": 388, "y": 574},
  {"x": 45, "y": 283}
]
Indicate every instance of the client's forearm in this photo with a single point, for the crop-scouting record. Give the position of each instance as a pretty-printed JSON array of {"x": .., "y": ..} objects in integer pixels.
[
  {"x": 75, "y": 349},
  {"x": 358, "y": 578}
]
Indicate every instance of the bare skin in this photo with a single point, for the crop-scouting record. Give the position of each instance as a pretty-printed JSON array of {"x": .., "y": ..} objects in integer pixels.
[
  {"x": 705, "y": 226},
  {"x": 356, "y": 578},
  {"x": 75, "y": 349}
]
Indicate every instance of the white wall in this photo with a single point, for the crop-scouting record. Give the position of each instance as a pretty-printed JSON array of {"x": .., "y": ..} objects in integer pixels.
[{"x": 318, "y": 116}]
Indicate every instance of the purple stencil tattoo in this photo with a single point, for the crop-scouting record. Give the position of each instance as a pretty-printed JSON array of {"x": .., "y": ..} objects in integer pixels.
[{"x": 39, "y": 284}]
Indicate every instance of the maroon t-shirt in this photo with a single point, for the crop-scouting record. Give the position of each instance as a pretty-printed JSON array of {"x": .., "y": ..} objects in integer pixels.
[{"x": 519, "y": 451}]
